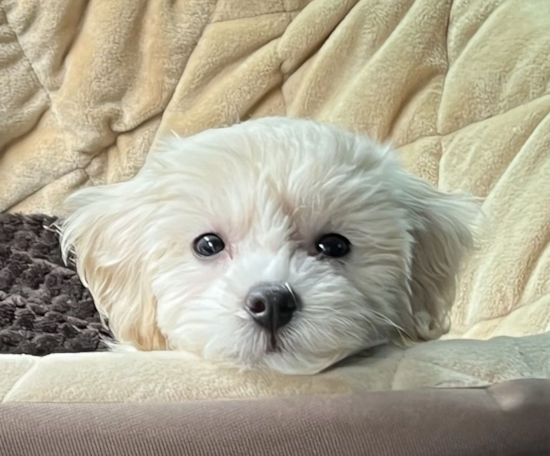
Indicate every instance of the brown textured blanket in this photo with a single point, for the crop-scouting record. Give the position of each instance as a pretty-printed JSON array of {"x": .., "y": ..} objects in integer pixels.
[{"x": 44, "y": 308}]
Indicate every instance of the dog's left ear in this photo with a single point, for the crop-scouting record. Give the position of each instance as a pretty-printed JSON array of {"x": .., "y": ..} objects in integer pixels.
[{"x": 441, "y": 227}]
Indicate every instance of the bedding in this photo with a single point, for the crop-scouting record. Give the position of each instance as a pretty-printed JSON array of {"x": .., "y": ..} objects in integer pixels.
[{"x": 461, "y": 88}]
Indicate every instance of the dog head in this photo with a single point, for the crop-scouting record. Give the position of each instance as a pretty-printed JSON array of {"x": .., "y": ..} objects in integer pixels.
[{"x": 275, "y": 243}]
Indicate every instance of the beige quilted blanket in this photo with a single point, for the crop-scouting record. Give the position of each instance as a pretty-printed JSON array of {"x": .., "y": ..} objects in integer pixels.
[
  {"x": 170, "y": 377},
  {"x": 461, "y": 87}
]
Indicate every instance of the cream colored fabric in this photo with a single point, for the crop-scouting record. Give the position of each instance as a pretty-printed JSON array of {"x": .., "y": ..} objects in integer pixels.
[
  {"x": 169, "y": 376},
  {"x": 461, "y": 87}
]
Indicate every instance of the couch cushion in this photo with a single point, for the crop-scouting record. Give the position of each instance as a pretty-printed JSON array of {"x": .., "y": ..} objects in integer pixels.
[{"x": 506, "y": 419}]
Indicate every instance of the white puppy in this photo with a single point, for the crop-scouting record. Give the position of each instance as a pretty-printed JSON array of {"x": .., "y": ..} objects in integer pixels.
[{"x": 275, "y": 243}]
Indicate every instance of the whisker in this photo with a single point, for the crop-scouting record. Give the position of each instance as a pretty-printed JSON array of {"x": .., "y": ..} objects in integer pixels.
[{"x": 402, "y": 332}]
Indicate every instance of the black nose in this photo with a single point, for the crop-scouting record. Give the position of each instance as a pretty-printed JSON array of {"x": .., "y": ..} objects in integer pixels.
[{"x": 271, "y": 305}]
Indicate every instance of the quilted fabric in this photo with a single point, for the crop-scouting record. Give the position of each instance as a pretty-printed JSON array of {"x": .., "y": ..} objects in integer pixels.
[
  {"x": 160, "y": 377},
  {"x": 461, "y": 87}
]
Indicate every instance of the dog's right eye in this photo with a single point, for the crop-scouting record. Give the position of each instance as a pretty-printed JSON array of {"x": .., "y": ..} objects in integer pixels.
[{"x": 207, "y": 245}]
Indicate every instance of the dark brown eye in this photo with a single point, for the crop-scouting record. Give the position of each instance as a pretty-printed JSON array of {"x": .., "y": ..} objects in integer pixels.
[
  {"x": 207, "y": 245},
  {"x": 333, "y": 245}
]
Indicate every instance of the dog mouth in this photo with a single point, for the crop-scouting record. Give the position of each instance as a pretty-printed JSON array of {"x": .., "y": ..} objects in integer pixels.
[
  {"x": 274, "y": 342},
  {"x": 275, "y": 338}
]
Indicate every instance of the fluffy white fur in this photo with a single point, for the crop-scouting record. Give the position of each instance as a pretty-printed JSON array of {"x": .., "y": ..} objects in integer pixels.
[{"x": 270, "y": 188}]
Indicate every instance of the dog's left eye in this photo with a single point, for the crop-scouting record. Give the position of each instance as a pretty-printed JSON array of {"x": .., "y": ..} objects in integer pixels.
[
  {"x": 208, "y": 245},
  {"x": 333, "y": 245}
]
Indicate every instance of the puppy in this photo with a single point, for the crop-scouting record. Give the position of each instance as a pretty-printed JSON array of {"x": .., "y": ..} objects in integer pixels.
[{"x": 275, "y": 243}]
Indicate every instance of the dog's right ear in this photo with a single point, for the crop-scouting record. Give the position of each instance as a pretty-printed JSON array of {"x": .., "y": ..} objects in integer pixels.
[{"x": 105, "y": 237}]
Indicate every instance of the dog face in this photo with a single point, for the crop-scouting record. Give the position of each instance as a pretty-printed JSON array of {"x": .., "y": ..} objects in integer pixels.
[{"x": 276, "y": 243}]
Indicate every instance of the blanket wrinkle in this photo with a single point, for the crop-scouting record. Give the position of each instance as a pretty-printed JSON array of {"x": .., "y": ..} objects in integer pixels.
[{"x": 40, "y": 83}]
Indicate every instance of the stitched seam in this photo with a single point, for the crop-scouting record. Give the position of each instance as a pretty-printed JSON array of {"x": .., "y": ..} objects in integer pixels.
[
  {"x": 273, "y": 13},
  {"x": 281, "y": 61},
  {"x": 37, "y": 78},
  {"x": 458, "y": 130},
  {"x": 448, "y": 68},
  {"x": 402, "y": 357},
  {"x": 20, "y": 381},
  {"x": 502, "y": 317}
]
